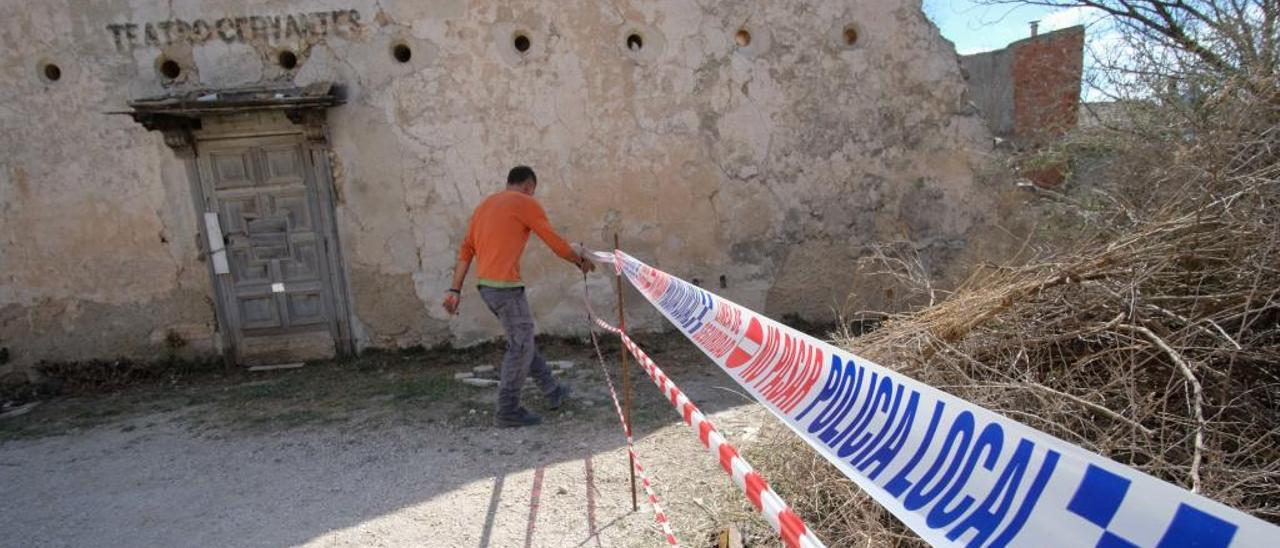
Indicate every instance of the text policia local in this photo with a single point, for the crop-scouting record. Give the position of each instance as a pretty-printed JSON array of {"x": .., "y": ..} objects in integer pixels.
[
  {"x": 783, "y": 369},
  {"x": 964, "y": 448}
]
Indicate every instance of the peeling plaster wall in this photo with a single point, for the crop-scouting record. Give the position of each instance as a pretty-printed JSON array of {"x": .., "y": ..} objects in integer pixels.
[
  {"x": 773, "y": 164},
  {"x": 98, "y": 253}
]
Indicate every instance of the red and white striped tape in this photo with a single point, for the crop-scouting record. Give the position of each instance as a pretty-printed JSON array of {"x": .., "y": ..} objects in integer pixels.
[
  {"x": 658, "y": 513},
  {"x": 789, "y": 526}
]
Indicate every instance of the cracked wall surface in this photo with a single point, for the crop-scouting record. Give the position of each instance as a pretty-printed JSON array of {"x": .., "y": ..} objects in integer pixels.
[{"x": 772, "y": 165}]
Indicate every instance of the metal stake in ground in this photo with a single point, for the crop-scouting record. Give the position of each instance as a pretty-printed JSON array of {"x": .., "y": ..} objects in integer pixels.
[{"x": 626, "y": 381}]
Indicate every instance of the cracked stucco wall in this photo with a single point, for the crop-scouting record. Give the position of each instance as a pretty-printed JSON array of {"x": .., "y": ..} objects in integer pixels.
[{"x": 773, "y": 164}]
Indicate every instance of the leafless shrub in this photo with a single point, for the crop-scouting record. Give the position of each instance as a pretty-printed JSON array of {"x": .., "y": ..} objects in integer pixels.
[
  {"x": 1147, "y": 326},
  {"x": 1159, "y": 349}
]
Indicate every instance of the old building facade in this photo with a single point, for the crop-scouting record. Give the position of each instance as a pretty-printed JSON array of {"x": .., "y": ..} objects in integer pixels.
[{"x": 281, "y": 180}]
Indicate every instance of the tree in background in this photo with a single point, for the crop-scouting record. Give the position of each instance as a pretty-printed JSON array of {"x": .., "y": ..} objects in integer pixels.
[
  {"x": 1194, "y": 88},
  {"x": 1226, "y": 40}
]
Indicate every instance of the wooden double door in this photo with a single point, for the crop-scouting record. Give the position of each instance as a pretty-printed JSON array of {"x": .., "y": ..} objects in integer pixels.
[{"x": 268, "y": 219}]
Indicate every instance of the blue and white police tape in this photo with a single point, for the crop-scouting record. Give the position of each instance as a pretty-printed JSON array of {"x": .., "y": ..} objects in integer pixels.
[{"x": 954, "y": 472}]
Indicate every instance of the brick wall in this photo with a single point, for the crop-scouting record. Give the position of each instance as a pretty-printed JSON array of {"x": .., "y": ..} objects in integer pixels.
[
  {"x": 1046, "y": 77},
  {"x": 1029, "y": 93}
]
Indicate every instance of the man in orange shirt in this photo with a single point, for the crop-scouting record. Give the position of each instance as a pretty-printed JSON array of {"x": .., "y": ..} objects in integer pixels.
[{"x": 496, "y": 237}]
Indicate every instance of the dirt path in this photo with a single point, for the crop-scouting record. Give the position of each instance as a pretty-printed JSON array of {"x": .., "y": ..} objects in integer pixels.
[{"x": 301, "y": 466}]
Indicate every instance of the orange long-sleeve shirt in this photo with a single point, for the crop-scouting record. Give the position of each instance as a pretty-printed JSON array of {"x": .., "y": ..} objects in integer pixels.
[{"x": 498, "y": 232}]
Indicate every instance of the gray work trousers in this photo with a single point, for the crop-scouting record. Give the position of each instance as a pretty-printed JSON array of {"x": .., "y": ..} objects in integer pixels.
[{"x": 522, "y": 358}]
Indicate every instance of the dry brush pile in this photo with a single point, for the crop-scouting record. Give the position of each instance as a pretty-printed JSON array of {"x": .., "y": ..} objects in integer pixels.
[
  {"x": 1146, "y": 328},
  {"x": 1159, "y": 349}
]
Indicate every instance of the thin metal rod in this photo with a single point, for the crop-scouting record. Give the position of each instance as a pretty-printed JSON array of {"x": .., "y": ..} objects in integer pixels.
[{"x": 626, "y": 382}]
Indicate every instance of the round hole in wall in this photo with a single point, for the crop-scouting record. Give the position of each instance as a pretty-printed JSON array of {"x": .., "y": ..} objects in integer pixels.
[
  {"x": 743, "y": 38},
  {"x": 287, "y": 59},
  {"x": 850, "y": 35},
  {"x": 51, "y": 72},
  {"x": 170, "y": 69},
  {"x": 521, "y": 43},
  {"x": 635, "y": 42},
  {"x": 401, "y": 53}
]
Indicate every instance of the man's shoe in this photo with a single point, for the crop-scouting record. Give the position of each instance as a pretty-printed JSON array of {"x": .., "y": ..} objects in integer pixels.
[
  {"x": 559, "y": 396},
  {"x": 522, "y": 417}
]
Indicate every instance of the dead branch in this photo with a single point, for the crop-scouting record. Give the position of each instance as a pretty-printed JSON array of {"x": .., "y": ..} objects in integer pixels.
[{"x": 1197, "y": 394}]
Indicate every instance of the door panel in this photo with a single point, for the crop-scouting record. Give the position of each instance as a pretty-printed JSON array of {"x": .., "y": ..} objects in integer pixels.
[
  {"x": 282, "y": 164},
  {"x": 232, "y": 169},
  {"x": 297, "y": 209},
  {"x": 264, "y": 191},
  {"x": 258, "y": 311},
  {"x": 305, "y": 264},
  {"x": 246, "y": 270},
  {"x": 305, "y": 308}
]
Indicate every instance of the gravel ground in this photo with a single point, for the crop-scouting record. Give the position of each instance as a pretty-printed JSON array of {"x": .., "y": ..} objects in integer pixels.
[{"x": 434, "y": 473}]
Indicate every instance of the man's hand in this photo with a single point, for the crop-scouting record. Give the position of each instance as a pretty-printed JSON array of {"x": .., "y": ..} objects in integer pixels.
[
  {"x": 451, "y": 301},
  {"x": 585, "y": 264},
  {"x": 454, "y": 294}
]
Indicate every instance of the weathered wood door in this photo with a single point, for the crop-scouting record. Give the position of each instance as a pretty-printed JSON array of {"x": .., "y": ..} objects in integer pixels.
[{"x": 280, "y": 300}]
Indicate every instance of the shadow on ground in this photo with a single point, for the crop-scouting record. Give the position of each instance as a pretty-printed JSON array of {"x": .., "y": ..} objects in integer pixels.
[{"x": 385, "y": 449}]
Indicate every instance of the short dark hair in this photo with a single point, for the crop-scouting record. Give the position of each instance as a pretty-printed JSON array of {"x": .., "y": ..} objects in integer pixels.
[{"x": 521, "y": 174}]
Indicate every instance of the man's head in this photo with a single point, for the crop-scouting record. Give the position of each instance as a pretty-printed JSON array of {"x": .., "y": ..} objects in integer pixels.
[{"x": 522, "y": 178}]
